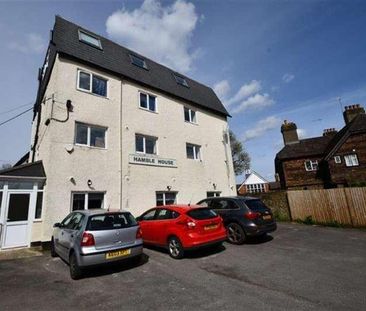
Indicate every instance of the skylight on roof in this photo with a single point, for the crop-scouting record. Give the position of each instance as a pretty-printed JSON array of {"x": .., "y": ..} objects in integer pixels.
[
  {"x": 138, "y": 61},
  {"x": 89, "y": 39},
  {"x": 180, "y": 80}
]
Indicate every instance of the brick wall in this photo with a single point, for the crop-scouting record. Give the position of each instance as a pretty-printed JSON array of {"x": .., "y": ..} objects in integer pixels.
[
  {"x": 296, "y": 176},
  {"x": 340, "y": 173},
  {"x": 277, "y": 202}
]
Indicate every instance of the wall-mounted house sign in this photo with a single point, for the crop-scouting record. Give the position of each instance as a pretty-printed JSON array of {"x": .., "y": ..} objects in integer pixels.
[{"x": 143, "y": 159}]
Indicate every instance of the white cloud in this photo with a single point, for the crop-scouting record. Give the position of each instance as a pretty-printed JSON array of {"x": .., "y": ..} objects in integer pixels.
[
  {"x": 162, "y": 33},
  {"x": 261, "y": 127},
  {"x": 288, "y": 77},
  {"x": 255, "y": 102},
  {"x": 247, "y": 97},
  {"x": 222, "y": 89},
  {"x": 245, "y": 91},
  {"x": 32, "y": 43}
]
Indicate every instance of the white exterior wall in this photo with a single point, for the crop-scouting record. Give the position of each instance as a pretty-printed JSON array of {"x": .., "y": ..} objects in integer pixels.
[
  {"x": 191, "y": 179},
  {"x": 254, "y": 179}
]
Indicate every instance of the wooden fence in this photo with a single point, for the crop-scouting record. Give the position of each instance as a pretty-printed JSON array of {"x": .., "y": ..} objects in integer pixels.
[{"x": 346, "y": 206}]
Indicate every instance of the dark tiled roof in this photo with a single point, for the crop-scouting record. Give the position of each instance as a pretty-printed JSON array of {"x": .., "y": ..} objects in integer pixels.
[
  {"x": 357, "y": 125},
  {"x": 24, "y": 159},
  {"x": 305, "y": 148},
  {"x": 323, "y": 146},
  {"x": 34, "y": 169},
  {"x": 116, "y": 59}
]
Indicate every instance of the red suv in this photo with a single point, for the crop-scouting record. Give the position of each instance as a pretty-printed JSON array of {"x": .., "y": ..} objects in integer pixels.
[{"x": 181, "y": 227}]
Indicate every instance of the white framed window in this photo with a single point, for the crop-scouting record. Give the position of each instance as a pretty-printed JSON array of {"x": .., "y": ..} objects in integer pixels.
[
  {"x": 193, "y": 151},
  {"x": 311, "y": 165},
  {"x": 138, "y": 61},
  {"x": 337, "y": 159},
  {"x": 89, "y": 39},
  {"x": 213, "y": 194},
  {"x": 351, "y": 160},
  {"x": 190, "y": 115},
  {"x": 90, "y": 135},
  {"x": 166, "y": 198},
  {"x": 145, "y": 144},
  {"x": 87, "y": 200},
  {"x": 253, "y": 188},
  {"x": 147, "y": 102},
  {"x": 91, "y": 83},
  {"x": 180, "y": 80}
]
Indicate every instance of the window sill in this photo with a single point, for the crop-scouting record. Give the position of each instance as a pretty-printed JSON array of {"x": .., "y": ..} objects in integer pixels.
[
  {"x": 90, "y": 93},
  {"x": 147, "y": 154},
  {"x": 189, "y": 122},
  {"x": 37, "y": 220},
  {"x": 89, "y": 147},
  {"x": 148, "y": 110}
]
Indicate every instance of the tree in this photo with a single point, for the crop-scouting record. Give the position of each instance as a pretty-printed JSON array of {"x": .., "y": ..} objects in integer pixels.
[
  {"x": 241, "y": 159},
  {"x": 5, "y": 166}
]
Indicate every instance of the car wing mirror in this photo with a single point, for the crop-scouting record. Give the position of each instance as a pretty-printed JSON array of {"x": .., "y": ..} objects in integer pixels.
[{"x": 57, "y": 225}]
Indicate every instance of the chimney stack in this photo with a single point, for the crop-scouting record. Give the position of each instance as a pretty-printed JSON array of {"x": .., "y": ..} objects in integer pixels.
[
  {"x": 352, "y": 111},
  {"x": 289, "y": 133},
  {"x": 330, "y": 132}
]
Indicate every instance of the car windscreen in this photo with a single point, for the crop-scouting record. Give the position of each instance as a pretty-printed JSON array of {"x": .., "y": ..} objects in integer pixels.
[
  {"x": 111, "y": 221},
  {"x": 255, "y": 205},
  {"x": 202, "y": 213}
]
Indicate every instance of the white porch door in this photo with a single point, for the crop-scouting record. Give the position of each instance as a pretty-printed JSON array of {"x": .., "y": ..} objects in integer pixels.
[{"x": 17, "y": 224}]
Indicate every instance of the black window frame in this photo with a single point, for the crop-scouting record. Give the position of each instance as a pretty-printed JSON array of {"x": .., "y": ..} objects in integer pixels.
[
  {"x": 99, "y": 46},
  {"x": 134, "y": 57},
  {"x": 181, "y": 80}
]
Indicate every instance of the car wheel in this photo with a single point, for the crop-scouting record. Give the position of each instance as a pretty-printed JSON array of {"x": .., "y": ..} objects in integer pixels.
[
  {"x": 235, "y": 234},
  {"x": 175, "y": 248},
  {"x": 75, "y": 270},
  {"x": 53, "y": 251}
]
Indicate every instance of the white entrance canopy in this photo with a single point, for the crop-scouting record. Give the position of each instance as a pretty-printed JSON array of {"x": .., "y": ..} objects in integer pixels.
[{"x": 21, "y": 189}]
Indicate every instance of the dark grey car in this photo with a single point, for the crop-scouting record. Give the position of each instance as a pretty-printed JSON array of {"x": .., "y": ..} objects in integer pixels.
[
  {"x": 91, "y": 237},
  {"x": 243, "y": 216}
]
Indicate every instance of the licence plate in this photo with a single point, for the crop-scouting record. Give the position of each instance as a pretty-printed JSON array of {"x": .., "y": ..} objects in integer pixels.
[
  {"x": 267, "y": 217},
  {"x": 211, "y": 227},
  {"x": 116, "y": 254}
]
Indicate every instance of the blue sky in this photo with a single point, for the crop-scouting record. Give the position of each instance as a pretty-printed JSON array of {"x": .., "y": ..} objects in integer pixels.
[{"x": 267, "y": 60}]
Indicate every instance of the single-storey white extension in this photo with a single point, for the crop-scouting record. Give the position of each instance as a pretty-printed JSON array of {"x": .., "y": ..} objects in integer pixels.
[
  {"x": 253, "y": 183},
  {"x": 112, "y": 129}
]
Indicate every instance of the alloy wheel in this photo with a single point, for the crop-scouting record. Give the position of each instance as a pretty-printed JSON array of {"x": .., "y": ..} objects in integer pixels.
[
  {"x": 235, "y": 234},
  {"x": 175, "y": 248}
]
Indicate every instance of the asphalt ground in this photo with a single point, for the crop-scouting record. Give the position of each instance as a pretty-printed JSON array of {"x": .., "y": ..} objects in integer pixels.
[{"x": 298, "y": 267}]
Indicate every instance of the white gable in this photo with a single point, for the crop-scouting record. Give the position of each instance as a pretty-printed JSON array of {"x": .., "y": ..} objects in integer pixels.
[{"x": 255, "y": 179}]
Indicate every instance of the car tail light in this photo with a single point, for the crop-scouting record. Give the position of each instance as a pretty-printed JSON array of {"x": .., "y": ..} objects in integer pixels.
[
  {"x": 88, "y": 239},
  {"x": 139, "y": 234},
  {"x": 251, "y": 215}
]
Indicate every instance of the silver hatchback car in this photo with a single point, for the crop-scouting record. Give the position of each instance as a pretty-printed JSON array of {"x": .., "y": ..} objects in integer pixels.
[{"x": 92, "y": 237}]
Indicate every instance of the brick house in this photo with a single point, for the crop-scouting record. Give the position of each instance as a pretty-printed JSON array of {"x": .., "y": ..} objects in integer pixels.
[
  {"x": 336, "y": 159},
  {"x": 253, "y": 183}
]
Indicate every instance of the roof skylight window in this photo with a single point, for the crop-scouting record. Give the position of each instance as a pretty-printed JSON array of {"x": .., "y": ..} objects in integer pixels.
[
  {"x": 138, "y": 61},
  {"x": 89, "y": 39},
  {"x": 180, "y": 80}
]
